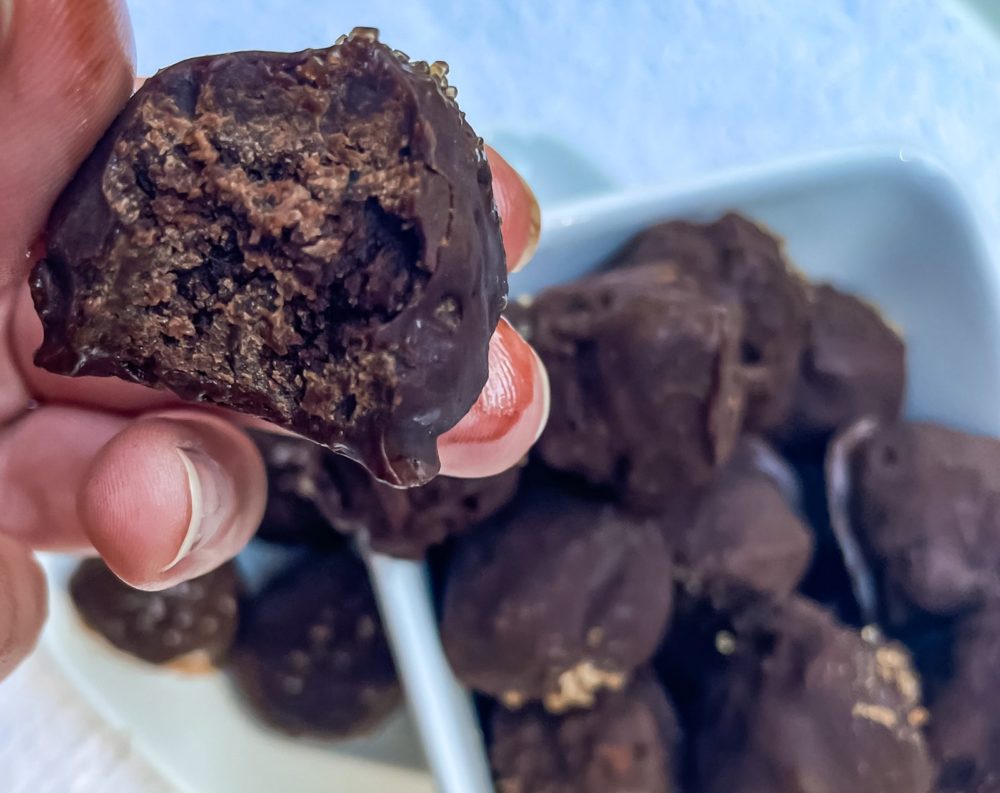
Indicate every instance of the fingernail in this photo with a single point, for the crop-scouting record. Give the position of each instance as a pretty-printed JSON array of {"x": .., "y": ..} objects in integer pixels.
[
  {"x": 6, "y": 24},
  {"x": 534, "y": 232},
  {"x": 208, "y": 493},
  {"x": 546, "y": 394}
]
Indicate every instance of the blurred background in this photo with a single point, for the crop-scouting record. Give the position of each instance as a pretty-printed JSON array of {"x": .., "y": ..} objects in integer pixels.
[
  {"x": 645, "y": 92},
  {"x": 605, "y": 95}
]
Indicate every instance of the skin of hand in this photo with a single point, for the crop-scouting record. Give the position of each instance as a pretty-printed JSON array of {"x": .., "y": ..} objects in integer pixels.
[{"x": 164, "y": 492}]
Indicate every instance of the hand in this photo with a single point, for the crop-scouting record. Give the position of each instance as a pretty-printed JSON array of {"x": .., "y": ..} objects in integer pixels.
[{"x": 162, "y": 491}]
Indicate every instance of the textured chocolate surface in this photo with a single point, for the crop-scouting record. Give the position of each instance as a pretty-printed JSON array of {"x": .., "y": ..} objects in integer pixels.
[
  {"x": 803, "y": 705},
  {"x": 311, "y": 656},
  {"x": 647, "y": 392},
  {"x": 854, "y": 365},
  {"x": 190, "y": 626},
  {"x": 557, "y": 598},
  {"x": 926, "y": 512},
  {"x": 743, "y": 530},
  {"x": 345, "y": 500},
  {"x": 309, "y": 238},
  {"x": 628, "y": 743},
  {"x": 964, "y": 729},
  {"x": 407, "y": 522},
  {"x": 291, "y": 516},
  {"x": 740, "y": 260}
]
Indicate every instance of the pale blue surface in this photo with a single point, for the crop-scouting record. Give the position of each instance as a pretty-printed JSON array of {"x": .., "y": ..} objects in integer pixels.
[{"x": 655, "y": 91}]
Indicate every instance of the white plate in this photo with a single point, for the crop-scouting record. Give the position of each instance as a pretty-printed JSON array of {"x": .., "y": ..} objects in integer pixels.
[
  {"x": 891, "y": 227},
  {"x": 195, "y": 731}
]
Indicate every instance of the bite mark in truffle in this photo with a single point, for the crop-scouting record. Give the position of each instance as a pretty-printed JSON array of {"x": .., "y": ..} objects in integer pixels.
[{"x": 309, "y": 238}]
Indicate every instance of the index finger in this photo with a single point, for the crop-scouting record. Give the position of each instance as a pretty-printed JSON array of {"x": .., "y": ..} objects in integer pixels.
[
  {"x": 65, "y": 71},
  {"x": 520, "y": 216}
]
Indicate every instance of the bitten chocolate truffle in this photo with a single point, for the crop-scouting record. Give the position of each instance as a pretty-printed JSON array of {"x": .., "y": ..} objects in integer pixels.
[
  {"x": 628, "y": 743},
  {"x": 736, "y": 258},
  {"x": 291, "y": 516},
  {"x": 346, "y": 500},
  {"x": 925, "y": 510},
  {"x": 308, "y": 238},
  {"x": 964, "y": 729},
  {"x": 804, "y": 705},
  {"x": 311, "y": 656},
  {"x": 647, "y": 392},
  {"x": 557, "y": 598},
  {"x": 854, "y": 365},
  {"x": 744, "y": 530},
  {"x": 189, "y": 626}
]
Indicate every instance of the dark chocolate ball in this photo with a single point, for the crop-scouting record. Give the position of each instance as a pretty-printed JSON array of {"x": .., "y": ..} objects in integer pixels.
[
  {"x": 311, "y": 656},
  {"x": 291, "y": 516},
  {"x": 854, "y": 365},
  {"x": 736, "y": 258},
  {"x": 964, "y": 728},
  {"x": 318, "y": 497},
  {"x": 309, "y": 238},
  {"x": 190, "y": 626},
  {"x": 925, "y": 509},
  {"x": 647, "y": 391},
  {"x": 743, "y": 530},
  {"x": 804, "y": 705},
  {"x": 559, "y": 597},
  {"x": 628, "y": 743}
]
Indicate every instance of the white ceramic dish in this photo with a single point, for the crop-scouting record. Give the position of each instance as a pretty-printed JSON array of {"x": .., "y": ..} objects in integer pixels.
[{"x": 891, "y": 227}]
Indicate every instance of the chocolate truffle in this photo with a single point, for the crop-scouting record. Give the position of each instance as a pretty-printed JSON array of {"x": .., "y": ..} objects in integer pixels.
[
  {"x": 854, "y": 365},
  {"x": 647, "y": 392},
  {"x": 744, "y": 529},
  {"x": 346, "y": 500},
  {"x": 189, "y": 626},
  {"x": 804, "y": 705},
  {"x": 311, "y": 657},
  {"x": 628, "y": 743},
  {"x": 736, "y": 258},
  {"x": 557, "y": 598},
  {"x": 309, "y": 238},
  {"x": 406, "y": 523},
  {"x": 964, "y": 729},
  {"x": 924, "y": 509},
  {"x": 291, "y": 516}
]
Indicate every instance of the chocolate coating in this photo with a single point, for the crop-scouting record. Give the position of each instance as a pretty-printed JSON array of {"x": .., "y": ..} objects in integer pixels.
[
  {"x": 628, "y": 743},
  {"x": 309, "y": 238},
  {"x": 926, "y": 512},
  {"x": 743, "y": 531},
  {"x": 738, "y": 259},
  {"x": 291, "y": 516},
  {"x": 311, "y": 656},
  {"x": 190, "y": 626},
  {"x": 964, "y": 729},
  {"x": 647, "y": 393},
  {"x": 406, "y": 523},
  {"x": 347, "y": 500},
  {"x": 854, "y": 365},
  {"x": 558, "y": 597},
  {"x": 804, "y": 705}
]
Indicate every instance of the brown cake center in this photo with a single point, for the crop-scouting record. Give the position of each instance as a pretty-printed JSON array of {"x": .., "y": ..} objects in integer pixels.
[{"x": 268, "y": 210}]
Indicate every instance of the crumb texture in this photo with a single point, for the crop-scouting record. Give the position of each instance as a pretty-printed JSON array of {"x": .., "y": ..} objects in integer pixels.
[{"x": 309, "y": 238}]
